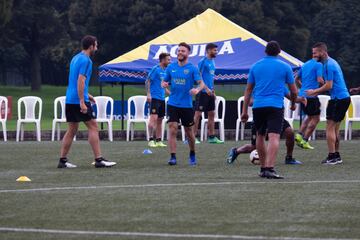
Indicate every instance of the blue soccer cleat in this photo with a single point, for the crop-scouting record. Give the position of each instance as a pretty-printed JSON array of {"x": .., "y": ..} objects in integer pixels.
[
  {"x": 292, "y": 161},
  {"x": 192, "y": 160},
  {"x": 172, "y": 161}
]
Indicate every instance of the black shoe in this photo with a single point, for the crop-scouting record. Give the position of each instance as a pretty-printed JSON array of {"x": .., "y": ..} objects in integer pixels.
[
  {"x": 65, "y": 164},
  {"x": 333, "y": 161},
  {"x": 102, "y": 163},
  {"x": 271, "y": 174}
]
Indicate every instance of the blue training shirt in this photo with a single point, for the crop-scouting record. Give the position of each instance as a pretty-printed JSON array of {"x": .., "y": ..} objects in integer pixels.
[
  {"x": 332, "y": 72},
  {"x": 156, "y": 75},
  {"x": 207, "y": 70},
  {"x": 309, "y": 73},
  {"x": 181, "y": 79},
  {"x": 80, "y": 64},
  {"x": 269, "y": 75}
]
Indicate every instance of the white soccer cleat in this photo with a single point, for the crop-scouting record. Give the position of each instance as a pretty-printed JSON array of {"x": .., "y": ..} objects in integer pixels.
[{"x": 104, "y": 163}]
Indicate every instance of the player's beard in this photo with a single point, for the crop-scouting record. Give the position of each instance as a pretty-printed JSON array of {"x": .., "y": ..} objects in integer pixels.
[{"x": 181, "y": 58}]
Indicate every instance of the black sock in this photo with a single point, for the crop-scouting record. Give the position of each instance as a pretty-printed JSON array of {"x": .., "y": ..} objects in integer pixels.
[
  {"x": 158, "y": 139},
  {"x": 271, "y": 169},
  {"x": 192, "y": 153},
  {"x": 337, "y": 154},
  {"x": 151, "y": 139},
  {"x": 173, "y": 155},
  {"x": 63, "y": 159},
  {"x": 99, "y": 159},
  {"x": 306, "y": 139},
  {"x": 263, "y": 169},
  {"x": 332, "y": 155},
  {"x": 288, "y": 157},
  {"x": 211, "y": 136}
]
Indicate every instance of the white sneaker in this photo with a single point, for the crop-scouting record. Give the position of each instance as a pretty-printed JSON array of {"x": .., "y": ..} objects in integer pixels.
[
  {"x": 104, "y": 163},
  {"x": 66, "y": 164}
]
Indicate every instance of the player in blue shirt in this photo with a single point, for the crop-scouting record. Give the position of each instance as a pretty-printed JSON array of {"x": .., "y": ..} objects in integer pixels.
[
  {"x": 309, "y": 77},
  {"x": 182, "y": 76},
  {"x": 266, "y": 82},
  {"x": 205, "y": 100},
  {"x": 338, "y": 104},
  {"x": 156, "y": 98},
  {"x": 78, "y": 107}
]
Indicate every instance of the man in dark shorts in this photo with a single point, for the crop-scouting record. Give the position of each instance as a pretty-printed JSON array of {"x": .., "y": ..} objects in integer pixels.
[
  {"x": 205, "y": 100},
  {"x": 338, "y": 104},
  {"x": 78, "y": 107},
  {"x": 182, "y": 76},
  {"x": 309, "y": 77},
  {"x": 266, "y": 82},
  {"x": 286, "y": 131},
  {"x": 156, "y": 98}
]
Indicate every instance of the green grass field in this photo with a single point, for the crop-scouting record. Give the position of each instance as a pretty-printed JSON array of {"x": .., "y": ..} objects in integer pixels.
[{"x": 144, "y": 198}]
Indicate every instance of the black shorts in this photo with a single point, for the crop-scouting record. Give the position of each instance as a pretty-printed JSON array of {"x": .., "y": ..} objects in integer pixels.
[
  {"x": 73, "y": 114},
  {"x": 312, "y": 107},
  {"x": 204, "y": 102},
  {"x": 268, "y": 120},
  {"x": 157, "y": 107},
  {"x": 337, "y": 108},
  {"x": 186, "y": 115},
  {"x": 285, "y": 125}
]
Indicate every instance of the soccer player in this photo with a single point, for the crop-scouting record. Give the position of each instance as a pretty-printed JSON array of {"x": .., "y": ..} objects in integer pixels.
[
  {"x": 78, "y": 107},
  {"x": 267, "y": 79},
  {"x": 286, "y": 131},
  {"x": 309, "y": 77},
  {"x": 338, "y": 104},
  {"x": 205, "y": 100},
  {"x": 156, "y": 98},
  {"x": 182, "y": 76}
]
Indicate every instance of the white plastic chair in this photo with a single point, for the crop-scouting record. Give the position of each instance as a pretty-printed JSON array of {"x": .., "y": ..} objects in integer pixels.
[
  {"x": 139, "y": 116},
  {"x": 166, "y": 126},
  {"x": 58, "y": 118},
  {"x": 324, "y": 101},
  {"x": 240, "y": 124},
  {"x": 204, "y": 121},
  {"x": 355, "y": 101},
  {"x": 29, "y": 103},
  {"x": 101, "y": 115},
  {"x": 4, "y": 102},
  {"x": 288, "y": 114}
]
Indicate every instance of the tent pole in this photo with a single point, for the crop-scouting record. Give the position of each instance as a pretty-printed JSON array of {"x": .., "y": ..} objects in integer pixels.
[{"x": 122, "y": 106}]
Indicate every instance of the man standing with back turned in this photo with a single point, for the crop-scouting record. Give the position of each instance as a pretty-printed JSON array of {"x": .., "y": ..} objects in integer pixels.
[
  {"x": 78, "y": 107},
  {"x": 182, "y": 76},
  {"x": 266, "y": 83},
  {"x": 338, "y": 104}
]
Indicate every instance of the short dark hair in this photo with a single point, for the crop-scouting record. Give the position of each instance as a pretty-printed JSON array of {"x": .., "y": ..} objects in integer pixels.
[
  {"x": 210, "y": 46},
  {"x": 88, "y": 41},
  {"x": 163, "y": 55},
  {"x": 320, "y": 45},
  {"x": 272, "y": 48},
  {"x": 184, "y": 44}
]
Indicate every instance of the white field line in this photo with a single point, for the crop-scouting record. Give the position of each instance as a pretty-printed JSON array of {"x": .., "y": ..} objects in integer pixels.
[
  {"x": 159, "y": 185},
  {"x": 159, "y": 235}
]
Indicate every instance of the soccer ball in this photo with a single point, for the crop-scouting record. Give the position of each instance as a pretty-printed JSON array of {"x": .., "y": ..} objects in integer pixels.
[{"x": 254, "y": 157}]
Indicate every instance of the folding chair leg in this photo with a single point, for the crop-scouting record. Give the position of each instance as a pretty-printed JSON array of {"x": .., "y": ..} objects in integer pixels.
[
  {"x": 237, "y": 131},
  {"x": 110, "y": 131},
  {"x": 4, "y": 131},
  {"x": 18, "y": 130},
  {"x": 38, "y": 131},
  {"x": 58, "y": 131},
  {"x": 22, "y": 131}
]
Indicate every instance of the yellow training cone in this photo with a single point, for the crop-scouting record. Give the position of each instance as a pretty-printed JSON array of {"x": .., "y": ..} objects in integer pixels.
[{"x": 23, "y": 179}]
